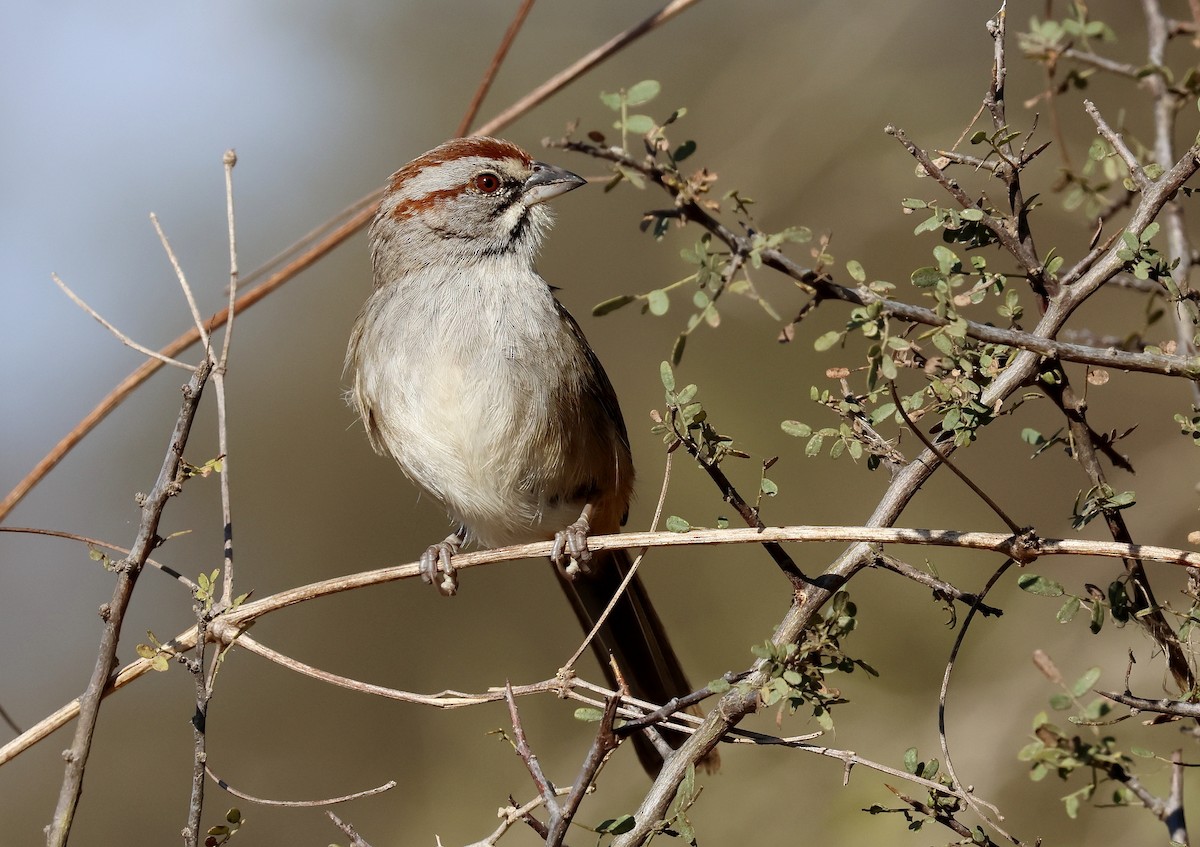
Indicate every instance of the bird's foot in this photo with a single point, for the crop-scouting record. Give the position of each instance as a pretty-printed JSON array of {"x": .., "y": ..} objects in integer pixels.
[
  {"x": 570, "y": 551},
  {"x": 437, "y": 565}
]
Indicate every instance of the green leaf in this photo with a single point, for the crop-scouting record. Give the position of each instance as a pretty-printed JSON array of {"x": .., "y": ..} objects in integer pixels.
[
  {"x": 856, "y": 271},
  {"x": 971, "y": 214},
  {"x": 768, "y": 487},
  {"x": 658, "y": 302},
  {"x": 827, "y": 340},
  {"x": 588, "y": 715},
  {"x": 945, "y": 258},
  {"x": 1040, "y": 585},
  {"x": 1059, "y": 702},
  {"x": 677, "y": 524},
  {"x": 796, "y": 428},
  {"x": 616, "y": 826},
  {"x": 641, "y": 124},
  {"x": 926, "y": 277},
  {"x": 612, "y": 101},
  {"x": 910, "y": 760},
  {"x": 1084, "y": 684},
  {"x": 1068, "y": 611},
  {"x": 667, "y": 375},
  {"x": 642, "y": 92},
  {"x": 1032, "y": 436},
  {"x": 612, "y": 304}
]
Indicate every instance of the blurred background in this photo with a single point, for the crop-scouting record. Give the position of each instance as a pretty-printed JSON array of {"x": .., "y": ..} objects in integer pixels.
[{"x": 115, "y": 112}]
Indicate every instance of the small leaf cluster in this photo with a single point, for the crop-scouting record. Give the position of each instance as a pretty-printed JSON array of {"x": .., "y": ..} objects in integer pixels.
[
  {"x": 622, "y": 100},
  {"x": 716, "y": 272},
  {"x": 958, "y": 226},
  {"x": 206, "y": 588},
  {"x": 1099, "y": 500},
  {"x": 798, "y": 672},
  {"x": 945, "y": 282},
  {"x": 1054, "y": 751},
  {"x": 1102, "y": 604},
  {"x": 886, "y": 350},
  {"x": 220, "y": 834},
  {"x": 106, "y": 561},
  {"x": 1144, "y": 261},
  {"x": 158, "y": 653},
  {"x": 856, "y": 434},
  {"x": 1189, "y": 425},
  {"x": 212, "y": 466},
  {"x": 1046, "y": 39},
  {"x": 686, "y": 422},
  {"x": 943, "y": 806}
]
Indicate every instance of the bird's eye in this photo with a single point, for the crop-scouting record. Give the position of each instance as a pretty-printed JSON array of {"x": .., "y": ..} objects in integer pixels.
[{"x": 487, "y": 182}]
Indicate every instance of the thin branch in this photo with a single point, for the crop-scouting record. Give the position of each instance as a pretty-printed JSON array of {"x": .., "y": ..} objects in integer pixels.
[
  {"x": 490, "y": 74},
  {"x": 96, "y": 542},
  {"x": 350, "y": 832},
  {"x": 13, "y": 725},
  {"x": 939, "y": 586},
  {"x": 944, "y": 818},
  {"x": 850, "y": 760},
  {"x": 565, "y": 77},
  {"x": 1146, "y": 609},
  {"x": 1162, "y": 706},
  {"x": 675, "y": 705},
  {"x": 1016, "y": 528},
  {"x": 219, "y": 372},
  {"x": 1095, "y": 60},
  {"x": 122, "y": 337},
  {"x": 958, "y": 642},
  {"x": 113, "y": 612},
  {"x": 1115, "y": 139},
  {"x": 746, "y": 512},
  {"x": 604, "y": 743},
  {"x": 511, "y": 815},
  {"x": 183, "y": 284},
  {"x": 299, "y": 804},
  {"x": 544, "y": 785},
  {"x": 229, "y": 160},
  {"x": 1173, "y": 815}
]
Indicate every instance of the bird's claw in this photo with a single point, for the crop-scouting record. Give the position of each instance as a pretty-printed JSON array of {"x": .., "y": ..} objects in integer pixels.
[
  {"x": 570, "y": 551},
  {"x": 437, "y": 566}
]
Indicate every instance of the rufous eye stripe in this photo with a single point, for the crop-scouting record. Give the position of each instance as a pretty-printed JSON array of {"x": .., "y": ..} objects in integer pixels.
[{"x": 459, "y": 148}]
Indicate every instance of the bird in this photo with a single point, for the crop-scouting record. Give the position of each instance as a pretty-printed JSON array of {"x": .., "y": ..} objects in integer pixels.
[{"x": 473, "y": 377}]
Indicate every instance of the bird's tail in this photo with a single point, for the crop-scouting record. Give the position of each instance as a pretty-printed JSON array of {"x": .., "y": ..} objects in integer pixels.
[{"x": 634, "y": 637}]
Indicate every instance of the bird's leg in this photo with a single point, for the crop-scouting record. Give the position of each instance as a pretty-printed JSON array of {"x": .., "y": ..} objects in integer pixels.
[
  {"x": 570, "y": 551},
  {"x": 437, "y": 557}
]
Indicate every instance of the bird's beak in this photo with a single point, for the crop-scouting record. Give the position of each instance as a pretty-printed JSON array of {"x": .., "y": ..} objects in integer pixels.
[{"x": 547, "y": 182}]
